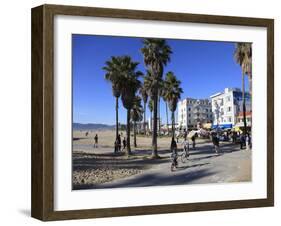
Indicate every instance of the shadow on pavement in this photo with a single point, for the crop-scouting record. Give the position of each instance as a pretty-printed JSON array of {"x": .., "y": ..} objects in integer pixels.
[{"x": 153, "y": 179}]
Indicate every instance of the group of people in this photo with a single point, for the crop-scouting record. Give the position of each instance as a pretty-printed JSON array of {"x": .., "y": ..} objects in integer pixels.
[
  {"x": 245, "y": 141},
  {"x": 117, "y": 144},
  {"x": 174, "y": 148}
]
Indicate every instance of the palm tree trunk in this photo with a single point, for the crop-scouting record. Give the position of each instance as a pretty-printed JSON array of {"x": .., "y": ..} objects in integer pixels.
[
  {"x": 135, "y": 137},
  {"x": 167, "y": 116},
  {"x": 144, "y": 118},
  {"x": 173, "y": 124},
  {"x": 151, "y": 120},
  {"x": 250, "y": 85},
  {"x": 159, "y": 126},
  {"x": 244, "y": 104},
  {"x": 128, "y": 132},
  {"x": 117, "y": 132},
  {"x": 154, "y": 135}
]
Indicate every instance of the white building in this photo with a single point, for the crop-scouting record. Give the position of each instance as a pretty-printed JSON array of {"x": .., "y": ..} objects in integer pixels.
[
  {"x": 192, "y": 112},
  {"x": 226, "y": 107}
]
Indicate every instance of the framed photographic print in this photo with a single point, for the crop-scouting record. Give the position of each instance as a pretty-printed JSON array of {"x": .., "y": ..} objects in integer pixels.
[{"x": 141, "y": 112}]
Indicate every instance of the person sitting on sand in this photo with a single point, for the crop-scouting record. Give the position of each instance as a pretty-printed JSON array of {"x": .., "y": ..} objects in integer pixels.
[
  {"x": 96, "y": 141},
  {"x": 124, "y": 143}
]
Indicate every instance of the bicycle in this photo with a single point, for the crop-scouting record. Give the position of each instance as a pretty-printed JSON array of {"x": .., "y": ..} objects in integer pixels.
[{"x": 185, "y": 154}]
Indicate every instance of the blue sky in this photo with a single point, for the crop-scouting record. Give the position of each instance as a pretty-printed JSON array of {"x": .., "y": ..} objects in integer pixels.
[{"x": 203, "y": 67}]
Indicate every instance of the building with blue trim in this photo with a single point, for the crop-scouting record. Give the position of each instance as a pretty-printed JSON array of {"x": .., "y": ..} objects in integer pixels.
[{"x": 226, "y": 107}]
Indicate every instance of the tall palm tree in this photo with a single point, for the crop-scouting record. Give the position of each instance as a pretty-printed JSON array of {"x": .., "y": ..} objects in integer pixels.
[
  {"x": 144, "y": 95},
  {"x": 243, "y": 56},
  {"x": 131, "y": 84},
  {"x": 172, "y": 95},
  {"x": 114, "y": 75},
  {"x": 136, "y": 115},
  {"x": 156, "y": 53},
  {"x": 150, "y": 106},
  {"x": 163, "y": 94}
]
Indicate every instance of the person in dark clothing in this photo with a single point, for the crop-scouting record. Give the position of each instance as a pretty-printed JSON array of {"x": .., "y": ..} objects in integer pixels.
[
  {"x": 116, "y": 146},
  {"x": 96, "y": 141},
  {"x": 216, "y": 140},
  {"x": 234, "y": 136},
  {"x": 193, "y": 141},
  {"x": 124, "y": 144},
  {"x": 174, "y": 152},
  {"x": 184, "y": 134},
  {"x": 242, "y": 141}
]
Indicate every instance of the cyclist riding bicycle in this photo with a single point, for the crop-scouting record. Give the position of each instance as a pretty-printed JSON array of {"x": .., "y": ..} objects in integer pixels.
[{"x": 185, "y": 145}]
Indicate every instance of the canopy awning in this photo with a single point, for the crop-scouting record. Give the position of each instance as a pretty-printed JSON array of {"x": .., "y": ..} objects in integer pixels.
[{"x": 222, "y": 126}]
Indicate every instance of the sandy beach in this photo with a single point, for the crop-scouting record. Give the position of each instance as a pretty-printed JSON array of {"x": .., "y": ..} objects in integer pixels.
[{"x": 101, "y": 167}]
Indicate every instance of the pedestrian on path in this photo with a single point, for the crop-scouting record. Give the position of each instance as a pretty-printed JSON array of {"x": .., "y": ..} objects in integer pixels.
[
  {"x": 174, "y": 152},
  {"x": 193, "y": 141},
  {"x": 242, "y": 141},
  {"x": 124, "y": 144},
  {"x": 216, "y": 141},
  {"x": 248, "y": 141},
  {"x": 96, "y": 141}
]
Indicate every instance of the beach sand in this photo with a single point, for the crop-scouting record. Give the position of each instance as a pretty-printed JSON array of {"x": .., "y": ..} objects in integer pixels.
[{"x": 100, "y": 167}]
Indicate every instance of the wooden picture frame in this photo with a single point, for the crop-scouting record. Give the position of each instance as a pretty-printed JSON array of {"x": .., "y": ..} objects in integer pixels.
[{"x": 43, "y": 110}]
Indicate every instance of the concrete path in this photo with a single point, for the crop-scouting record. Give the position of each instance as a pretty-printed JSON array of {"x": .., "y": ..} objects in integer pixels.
[{"x": 203, "y": 166}]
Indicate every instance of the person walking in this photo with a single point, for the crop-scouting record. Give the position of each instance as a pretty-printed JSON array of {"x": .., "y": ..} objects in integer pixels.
[
  {"x": 193, "y": 141},
  {"x": 248, "y": 141},
  {"x": 124, "y": 144},
  {"x": 216, "y": 141},
  {"x": 174, "y": 152},
  {"x": 242, "y": 141},
  {"x": 185, "y": 134},
  {"x": 96, "y": 141},
  {"x": 234, "y": 136}
]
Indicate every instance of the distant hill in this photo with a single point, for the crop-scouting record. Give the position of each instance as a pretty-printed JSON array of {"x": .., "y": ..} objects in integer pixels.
[{"x": 91, "y": 126}]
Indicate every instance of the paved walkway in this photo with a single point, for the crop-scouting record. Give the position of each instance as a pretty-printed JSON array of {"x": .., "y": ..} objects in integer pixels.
[{"x": 203, "y": 166}]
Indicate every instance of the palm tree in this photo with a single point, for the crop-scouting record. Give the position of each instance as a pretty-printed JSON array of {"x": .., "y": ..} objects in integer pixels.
[
  {"x": 128, "y": 91},
  {"x": 163, "y": 94},
  {"x": 172, "y": 95},
  {"x": 136, "y": 115},
  {"x": 150, "y": 106},
  {"x": 144, "y": 95},
  {"x": 156, "y": 53},
  {"x": 243, "y": 56},
  {"x": 114, "y": 74}
]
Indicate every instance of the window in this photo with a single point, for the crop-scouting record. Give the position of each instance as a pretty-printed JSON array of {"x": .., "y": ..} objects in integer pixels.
[
  {"x": 189, "y": 115},
  {"x": 189, "y": 109},
  {"x": 206, "y": 110},
  {"x": 229, "y": 109},
  {"x": 229, "y": 119},
  {"x": 189, "y": 121}
]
